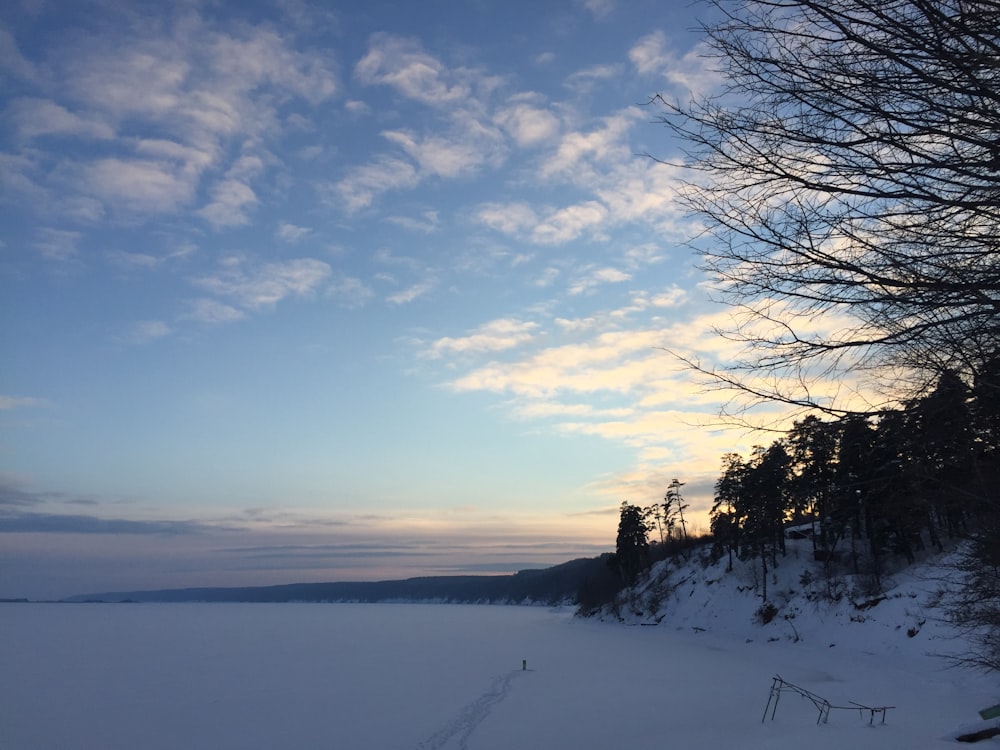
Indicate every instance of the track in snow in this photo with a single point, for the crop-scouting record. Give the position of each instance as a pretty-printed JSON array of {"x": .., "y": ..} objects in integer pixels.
[{"x": 470, "y": 717}]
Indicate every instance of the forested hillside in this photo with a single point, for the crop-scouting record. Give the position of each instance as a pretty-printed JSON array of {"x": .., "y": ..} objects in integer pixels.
[
  {"x": 837, "y": 508},
  {"x": 846, "y": 174}
]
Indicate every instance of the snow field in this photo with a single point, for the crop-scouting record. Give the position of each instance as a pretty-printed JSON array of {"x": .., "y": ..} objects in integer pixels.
[{"x": 437, "y": 677}]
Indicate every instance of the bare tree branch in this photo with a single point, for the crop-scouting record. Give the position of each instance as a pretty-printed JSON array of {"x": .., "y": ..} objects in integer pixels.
[{"x": 850, "y": 170}]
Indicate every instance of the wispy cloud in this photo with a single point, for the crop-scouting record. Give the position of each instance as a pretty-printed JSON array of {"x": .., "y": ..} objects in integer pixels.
[
  {"x": 386, "y": 257},
  {"x": 569, "y": 223},
  {"x": 402, "y": 63},
  {"x": 608, "y": 375},
  {"x": 641, "y": 190},
  {"x": 412, "y": 292},
  {"x": 594, "y": 278},
  {"x": 497, "y": 335},
  {"x": 414, "y": 275},
  {"x": 364, "y": 183},
  {"x": 129, "y": 261},
  {"x": 13, "y": 61},
  {"x": 672, "y": 297},
  {"x": 459, "y": 139},
  {"x": 211, "y": 311},
  {"x": 357, "y": 107},
  {"x": 690, "y": 72},
  {"x": 230, "y": 205},
  {"x": 129, "y": 185},
  {"x": 528, "y": 124},
  {"x": 650, "y": 54},
  {"x": 291, "y": 233},
  {"x": 608, "y": 362},
  {"x": 253, "y": 287},
  {"x": 599, "y": 8},
  {"x": 428, "y": 222},
  {"x": 16, "y": 492},
  {"x": 349, "y": 292},
  {"x": 605, "y": 143},
  {"x": 20, "y": 182},
  {"x": 58, "y": 245},
  {"x": 34, "y": 118},
  {"x": 13, "y": 522},
  {"x": 8, "y": 402},
  {"x": 200, "y": 87},
  {"x": 585, "y": 80},
  {"x": 643, "y": 255},
  {"x": 509, "y": 218},
  {"x": 466, "y": 146},
  {"x": 547, "y": 277},
  {"x": 622, "y": 188},
  {"x": 448, "y": 157}
]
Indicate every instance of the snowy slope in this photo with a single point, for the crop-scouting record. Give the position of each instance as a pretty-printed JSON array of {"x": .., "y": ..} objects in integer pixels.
[{"x": 698, "y": 594}]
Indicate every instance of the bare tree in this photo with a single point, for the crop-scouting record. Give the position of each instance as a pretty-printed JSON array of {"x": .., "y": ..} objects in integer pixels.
[{"x": 848, "y": 176}]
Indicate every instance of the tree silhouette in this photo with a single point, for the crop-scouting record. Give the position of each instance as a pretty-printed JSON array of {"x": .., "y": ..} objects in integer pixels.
[
  {"x": 632, "y": 544},
  {"x": 727, "y": 514},
  {"x": 674, "y": 507},
  {"x": 848, "y": 174},
  {"x": 812, "y": 446}
]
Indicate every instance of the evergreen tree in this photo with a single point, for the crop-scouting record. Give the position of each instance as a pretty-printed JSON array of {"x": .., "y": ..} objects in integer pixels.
[
  {"x": 893, "y": 501},
  {"x": 632, "y": 544},
  {"x": 853, "y": 483},
  {"x": 945, "y": 449},
  {"x": 726, "y": 514},
  {"x": 812, "y": 446},
  {"x": 764, "y": 497}
]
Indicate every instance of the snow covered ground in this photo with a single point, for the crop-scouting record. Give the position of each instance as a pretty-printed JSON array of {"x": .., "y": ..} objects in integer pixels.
[{"x": 437, "y": 677}]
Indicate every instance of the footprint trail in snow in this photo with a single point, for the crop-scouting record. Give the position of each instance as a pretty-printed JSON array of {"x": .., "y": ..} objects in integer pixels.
[{"x": 471, "y": 716}]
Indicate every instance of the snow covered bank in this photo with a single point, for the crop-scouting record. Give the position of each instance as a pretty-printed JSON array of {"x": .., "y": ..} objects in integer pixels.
[
  {"x": 699, "y": 594},
  {"x": 220, "y": 676}
]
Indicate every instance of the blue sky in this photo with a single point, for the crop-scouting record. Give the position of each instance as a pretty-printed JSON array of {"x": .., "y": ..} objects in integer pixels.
[{"x": 312, "y": 291}]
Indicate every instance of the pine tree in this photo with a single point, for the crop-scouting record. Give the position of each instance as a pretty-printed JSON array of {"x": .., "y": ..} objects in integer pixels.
[
  {"x": 674, "y": 508},
  {"x": 813, "y": 449},
  {"x": 632, "y": 545},
  {"x": 727, "y": 512}
]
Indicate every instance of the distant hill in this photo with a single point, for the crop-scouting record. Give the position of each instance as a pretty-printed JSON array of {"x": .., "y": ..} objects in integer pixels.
[{"x": 556, "y": 585}]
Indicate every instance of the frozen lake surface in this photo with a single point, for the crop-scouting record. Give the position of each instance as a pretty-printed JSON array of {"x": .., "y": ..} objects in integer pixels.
[{"x": 434, "y": 677}]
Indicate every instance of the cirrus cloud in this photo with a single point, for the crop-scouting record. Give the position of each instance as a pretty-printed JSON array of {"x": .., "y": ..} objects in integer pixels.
[
  {"x": 402, "y": 64},
  {"x": 496, "y": 335},
  {"x": 256, "y": 287},
  {"x": 168, "y": 96}
]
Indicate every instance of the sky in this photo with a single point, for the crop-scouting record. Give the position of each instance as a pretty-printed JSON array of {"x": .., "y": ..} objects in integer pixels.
[{"x": 303, "y": 291}]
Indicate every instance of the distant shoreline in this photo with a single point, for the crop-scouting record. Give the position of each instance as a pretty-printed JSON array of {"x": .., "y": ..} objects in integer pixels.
[{"x": 559, "y": 584}]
